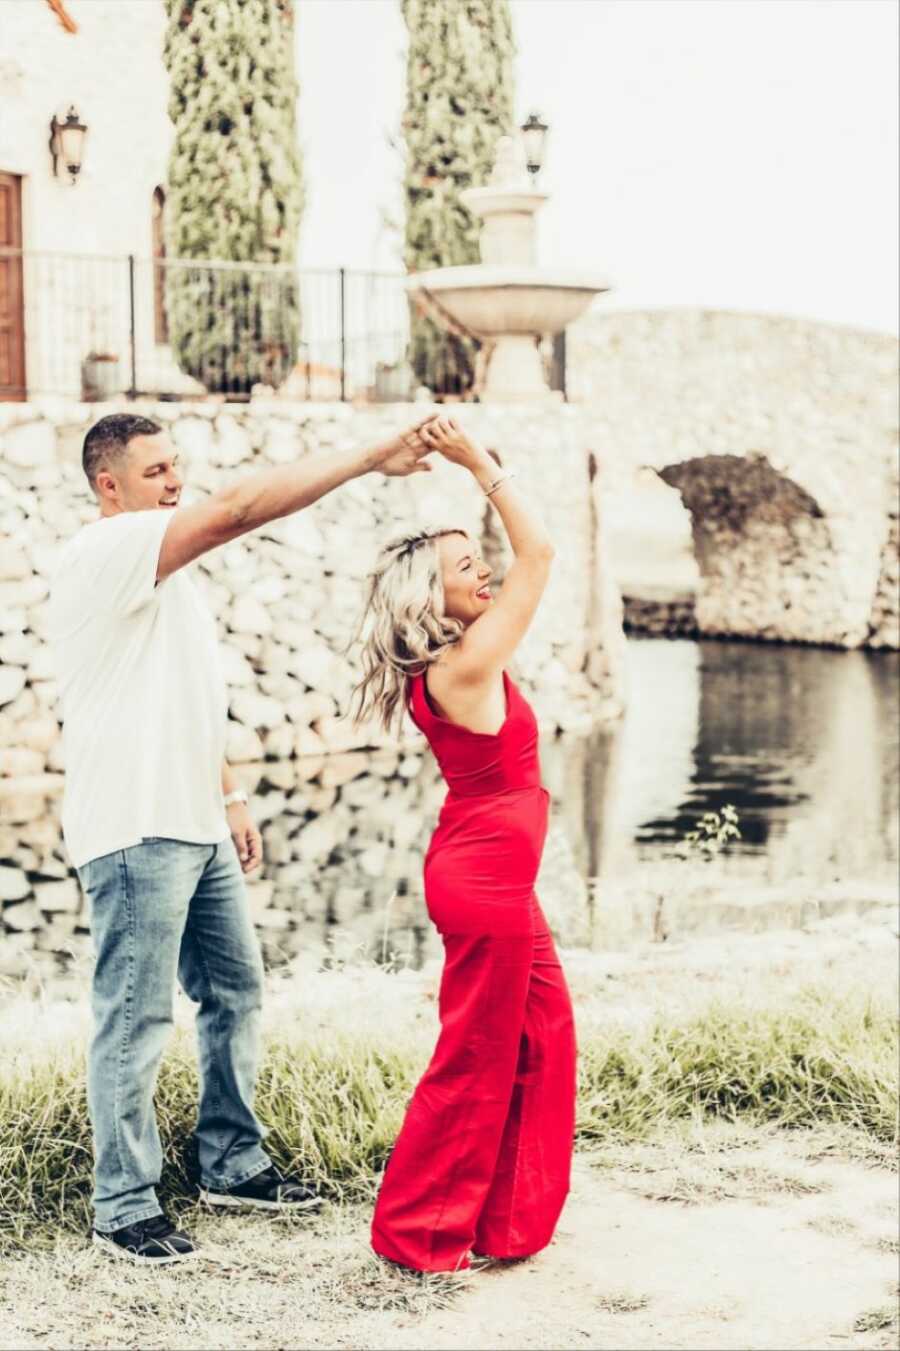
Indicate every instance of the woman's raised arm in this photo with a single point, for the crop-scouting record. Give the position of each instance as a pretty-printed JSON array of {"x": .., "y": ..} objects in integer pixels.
[{"x": 490, "y": 641}]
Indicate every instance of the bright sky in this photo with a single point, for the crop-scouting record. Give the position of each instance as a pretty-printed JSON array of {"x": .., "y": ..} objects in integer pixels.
[{"x": 736, "y": 154}]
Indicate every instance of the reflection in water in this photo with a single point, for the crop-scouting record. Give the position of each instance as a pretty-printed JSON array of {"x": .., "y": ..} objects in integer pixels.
[{"x": 802, "y": 740}]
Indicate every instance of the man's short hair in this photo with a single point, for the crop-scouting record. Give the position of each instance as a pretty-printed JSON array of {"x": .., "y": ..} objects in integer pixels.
[{"x": 107, "y": 441}]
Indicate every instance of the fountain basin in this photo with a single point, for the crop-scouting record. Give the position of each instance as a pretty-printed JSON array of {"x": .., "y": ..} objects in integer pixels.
[
  {"x": 491, "y": 300},
  {"x": 510, "y": 306}
]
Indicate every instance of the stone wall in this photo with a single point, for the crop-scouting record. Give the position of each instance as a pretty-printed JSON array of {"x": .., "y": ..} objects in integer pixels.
[
  {"x": 885, "y": 619},
  {"x": 345, "y": 813},
  {"x": 667, "y": 616},
  {"x": 781, "y": 436}
]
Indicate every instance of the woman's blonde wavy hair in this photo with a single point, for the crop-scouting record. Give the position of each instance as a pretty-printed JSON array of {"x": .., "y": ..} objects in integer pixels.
[{"x": 404, "y": 623}]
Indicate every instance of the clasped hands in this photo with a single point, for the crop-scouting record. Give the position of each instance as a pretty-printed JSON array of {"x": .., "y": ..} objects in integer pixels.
[{"x": 407, "y": 451}]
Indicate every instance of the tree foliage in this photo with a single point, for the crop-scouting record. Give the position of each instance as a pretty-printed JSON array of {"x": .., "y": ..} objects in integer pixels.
[
  {"x": 459, "y": 101},
  {"x": 234, "y": 191}
]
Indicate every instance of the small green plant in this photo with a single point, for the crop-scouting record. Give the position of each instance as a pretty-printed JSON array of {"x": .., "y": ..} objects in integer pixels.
[
  {"x": 705, "y": 842},
  {"x": 713, "y": 831}
]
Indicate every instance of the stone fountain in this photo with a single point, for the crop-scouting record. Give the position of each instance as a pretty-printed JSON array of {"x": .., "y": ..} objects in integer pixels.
[{"x": 507, "y": 300}]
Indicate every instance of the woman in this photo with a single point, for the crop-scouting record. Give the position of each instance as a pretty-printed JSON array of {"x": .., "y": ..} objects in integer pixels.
[{"x": 481, "y": 1164}]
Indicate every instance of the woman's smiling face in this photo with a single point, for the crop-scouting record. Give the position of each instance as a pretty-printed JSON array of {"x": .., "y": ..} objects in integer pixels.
[{"x": 465, "y": 577}]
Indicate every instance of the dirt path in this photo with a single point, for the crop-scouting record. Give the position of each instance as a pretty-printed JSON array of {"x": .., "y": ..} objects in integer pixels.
[
  {"x": 723, "y": 1238},
  {"x": 767, "y": 1269}
]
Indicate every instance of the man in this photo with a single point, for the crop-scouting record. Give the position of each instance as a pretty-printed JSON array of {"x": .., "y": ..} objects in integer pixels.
[{"x": 154, "y": 822}]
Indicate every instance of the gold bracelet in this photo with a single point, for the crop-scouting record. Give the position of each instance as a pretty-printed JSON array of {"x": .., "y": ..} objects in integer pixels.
[{"x": 510, "y": 473}]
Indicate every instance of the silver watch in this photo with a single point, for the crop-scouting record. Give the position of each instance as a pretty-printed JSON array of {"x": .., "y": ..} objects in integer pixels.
[{"x": 237, "y": 795}]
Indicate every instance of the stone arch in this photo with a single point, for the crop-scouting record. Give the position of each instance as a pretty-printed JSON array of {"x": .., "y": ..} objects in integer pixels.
[
  {"x": 769, "y": 566},
  {"x": 818, "y": 400}
]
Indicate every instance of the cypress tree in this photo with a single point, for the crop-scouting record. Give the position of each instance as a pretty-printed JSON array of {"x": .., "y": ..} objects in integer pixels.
[
  {"x": 234, "y": 190},
  {"x": 459, "y": 101}
]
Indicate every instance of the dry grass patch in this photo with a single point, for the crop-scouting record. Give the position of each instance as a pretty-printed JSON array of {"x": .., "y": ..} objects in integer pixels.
[
  {"x": 620, "y": 1302},
  {"x": 876, "y": 1320},
  {"x": 832, "y": 1224},
  {"x": 706, "y": 1162},
  {"x": 259, "y": 1282}
]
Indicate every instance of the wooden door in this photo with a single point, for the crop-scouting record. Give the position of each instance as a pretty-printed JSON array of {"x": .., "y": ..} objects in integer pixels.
[{"x": 12, "y": 307}]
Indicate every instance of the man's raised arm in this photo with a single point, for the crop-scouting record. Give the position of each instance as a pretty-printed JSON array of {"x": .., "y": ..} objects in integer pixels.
[{"x": 270, "y": 494}]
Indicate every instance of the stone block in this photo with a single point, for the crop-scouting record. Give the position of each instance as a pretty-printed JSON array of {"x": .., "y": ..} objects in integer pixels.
[
  {"x": 193, "y": 436},
  {"x": 30, "y": 444},
  {"x": 235, "y": 667},
  {"x": 58, "y": 896},
  {"x": 259, "y": 897},
  {"x": 23, "y": 807},
  {"x": 276, "y": 845},
  {"x": 321, "y": 797},
  {"x": 274, "y": 918},
  {"x": 16, "y": 649},
  {"x": 25, "y": 593},
  {"x": 22, "y": 916},
  {"x": 309, "y": 767},
  {"x": 14, "y": 562},
  {"x": 282, "y": 443},
  {"x": 267, "y": 807},
  {"x": 232, "y": 445},
  {"x": 373, "y": 860},
  {"x": 31, "y": 785},
  {"x": 242, "y": 743},
  {"x": 307, "y": 742},
  {"x": 49, "y": 865},
  {"x": 17, "y": 760},
  {"x": 291, "y": 875},
  {"x": 14, "y": 884},
  {"x": 341, "y": 768},
  {"x": 338, "y": 734},
  {"x": 317, "y": 839},
  {"x": 297, "y": 803},
  {"x": 280, "y": 774},
  {"x": 256, "y": 710},
  {"x": 315, "y": 665},
  {"x": 248, "y": 615},
  {"x": 38, "y": 732},
  {"x": 57, "y": 935},
  {"x": 304, "y": 709},
  {"x": 282, "y": 687},
  {"x": 12, "y": 683}
]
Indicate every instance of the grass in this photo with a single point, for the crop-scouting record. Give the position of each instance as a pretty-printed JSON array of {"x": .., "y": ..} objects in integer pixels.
[
  {"x": 807, "y": 1058},
  {"x": 335, "y": 1082}
]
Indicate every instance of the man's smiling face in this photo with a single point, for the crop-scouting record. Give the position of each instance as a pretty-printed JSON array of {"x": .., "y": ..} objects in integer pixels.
[{"x": 147, "y": 476}]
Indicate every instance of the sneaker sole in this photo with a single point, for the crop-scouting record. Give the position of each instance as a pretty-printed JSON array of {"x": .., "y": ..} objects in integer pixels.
[
  {"x": 126, "y": 1255},
  {"x": 226, "y": 1201}
]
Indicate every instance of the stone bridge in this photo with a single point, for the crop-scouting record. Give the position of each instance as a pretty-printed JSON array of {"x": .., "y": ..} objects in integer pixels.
[{"x": 780, "y": 436}]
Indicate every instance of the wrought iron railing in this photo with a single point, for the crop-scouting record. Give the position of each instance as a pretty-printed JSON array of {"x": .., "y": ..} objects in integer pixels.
[{"x": 92, "y": 327}]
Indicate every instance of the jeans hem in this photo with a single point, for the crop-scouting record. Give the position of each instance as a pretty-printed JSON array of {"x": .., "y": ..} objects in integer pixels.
[
  {"x": 133, "y": 1217},
  {"x": 222, "y": 1184}
]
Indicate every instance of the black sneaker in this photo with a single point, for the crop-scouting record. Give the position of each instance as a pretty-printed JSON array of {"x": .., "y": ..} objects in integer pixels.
[
  {"x": 152, "y": 1242},
  {"x": 268, "y": 1190}
]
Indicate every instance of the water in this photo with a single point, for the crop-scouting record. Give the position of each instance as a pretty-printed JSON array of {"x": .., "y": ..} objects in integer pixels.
[{"x": 803, "y": 742}]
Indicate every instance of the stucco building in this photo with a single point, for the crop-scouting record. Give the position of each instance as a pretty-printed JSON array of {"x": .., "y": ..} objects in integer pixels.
[{"x": 66, "y": 280}]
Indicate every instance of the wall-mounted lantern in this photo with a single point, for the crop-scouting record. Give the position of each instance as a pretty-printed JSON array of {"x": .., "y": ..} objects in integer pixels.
[
  {"x": 534, "y": 134},
  {"x": 66, "y": 143}
]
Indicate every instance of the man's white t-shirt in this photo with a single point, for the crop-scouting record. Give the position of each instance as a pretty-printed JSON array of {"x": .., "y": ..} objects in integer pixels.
[{"x": 142, "y": 695}]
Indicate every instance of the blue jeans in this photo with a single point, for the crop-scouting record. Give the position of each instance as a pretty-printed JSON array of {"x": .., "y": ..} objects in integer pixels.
[{"x": 159, "y": 909}]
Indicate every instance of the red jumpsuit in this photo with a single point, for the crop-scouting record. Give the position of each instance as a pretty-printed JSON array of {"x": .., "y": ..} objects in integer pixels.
[{"x": 482, "y": 1161}]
